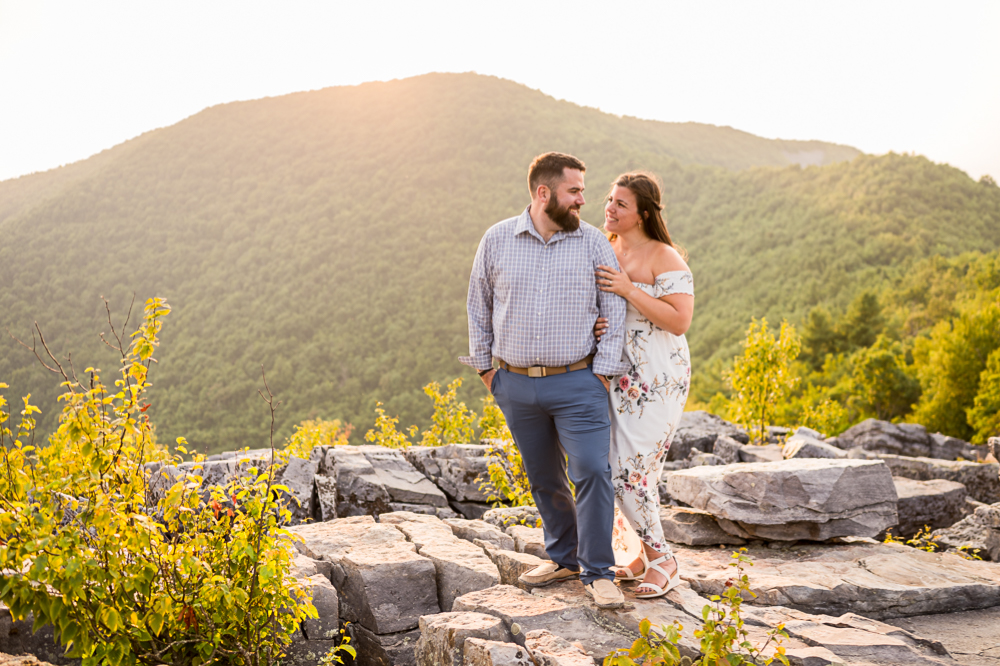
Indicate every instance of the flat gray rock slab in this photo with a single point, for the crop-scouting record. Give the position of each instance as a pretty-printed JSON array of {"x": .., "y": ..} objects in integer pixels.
[
  {"x": 694, "y": 528},
  {"x": 972, "y": 637},
  {"x": 760, "y": 454},
  {"x": 811, "y": 499},
  {"x": 874, "y": 579},
  {"x": 548, "y": 649},
  {"x": 906, "y": 439},
  {"x": 383, "y": 649},
  {"x": 480, "y": 529},
  {"x": 457, "y": 469},
  {"x": 981, "y": 480},
  {"x": 402, "y": 480},
  {"x": 936, "y": 503}
]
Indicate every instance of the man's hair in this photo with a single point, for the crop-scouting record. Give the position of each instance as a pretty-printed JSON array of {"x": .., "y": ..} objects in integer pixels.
[{"x": 547, "y": 169}]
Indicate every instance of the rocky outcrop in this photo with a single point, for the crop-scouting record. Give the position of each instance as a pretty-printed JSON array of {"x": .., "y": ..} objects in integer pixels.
[
  {"x": 699, "y": 430},
  {"x": 806, "y": 446},
  {"x": 694, "y": 528},
  {"x": 980, "y": 531},
  {"x": 515, "y": 515},
  {"x": 548, "y": 649},
  {"x": 981, "y": 480},
  {"x": 869, "y": 578},
  {"x": 905, "y": 439},
  {"x": 935, "y": 504},
  {"x": 442, "y": 637},
  {"x": 529, "y": 540},
  {"x": 793, "y": 499},
  {"x": 458, "y": 470}
]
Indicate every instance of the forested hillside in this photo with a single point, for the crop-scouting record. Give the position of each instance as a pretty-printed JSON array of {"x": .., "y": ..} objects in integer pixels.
[{"x": 328, "y": 236}]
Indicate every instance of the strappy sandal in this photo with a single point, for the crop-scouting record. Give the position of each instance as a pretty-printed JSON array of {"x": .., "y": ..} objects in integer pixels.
[
  {"x": 672, "y": 581},
  {"x": 627, "y": 571}
]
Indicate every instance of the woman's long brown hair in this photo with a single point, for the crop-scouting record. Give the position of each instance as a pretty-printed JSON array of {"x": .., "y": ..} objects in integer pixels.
[{"x": 648, "y": 202}]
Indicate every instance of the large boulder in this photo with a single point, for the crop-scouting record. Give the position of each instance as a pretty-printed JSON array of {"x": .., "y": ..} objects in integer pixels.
[
  {"x": 457, "y": 469},
  {"x": 359, "y": 489},
  {"x": 952, "y": 448},
  {"x": 981, "y": 480},
  {"x": 935, "y": 503},
  {"x": 905, "y": 439},
  {"x": 793, "y": 499},
  {"x": 699, "y": 430},
  {"x": 979, "y": 531}
]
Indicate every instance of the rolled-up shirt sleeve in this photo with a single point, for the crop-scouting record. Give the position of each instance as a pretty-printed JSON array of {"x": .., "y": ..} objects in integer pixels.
[
  {"x": 608, "y": 358},
  {"x": 480, "y": 307}
]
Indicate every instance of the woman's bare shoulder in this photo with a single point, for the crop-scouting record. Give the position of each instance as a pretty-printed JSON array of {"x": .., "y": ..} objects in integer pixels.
[{"x": 666, "y": 258}]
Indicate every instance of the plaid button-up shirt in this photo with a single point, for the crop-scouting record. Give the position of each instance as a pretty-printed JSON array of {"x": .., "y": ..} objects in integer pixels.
[{"x": 535, "y": 303}]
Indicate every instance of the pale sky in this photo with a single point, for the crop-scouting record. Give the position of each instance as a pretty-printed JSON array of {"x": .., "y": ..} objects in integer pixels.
[{"x": 914, "y": 76}]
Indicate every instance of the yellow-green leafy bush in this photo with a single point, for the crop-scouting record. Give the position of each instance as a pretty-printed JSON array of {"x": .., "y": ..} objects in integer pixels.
[{"x": 193, "y": 577}]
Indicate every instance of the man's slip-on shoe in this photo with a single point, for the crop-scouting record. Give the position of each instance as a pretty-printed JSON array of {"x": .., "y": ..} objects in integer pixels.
[
  {"x": 546, "y": 574},
  {"x": 605, "y": 593}
]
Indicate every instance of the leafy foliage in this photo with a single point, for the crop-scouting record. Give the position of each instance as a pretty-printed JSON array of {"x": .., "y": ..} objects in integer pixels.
[
  {"x": 330, "y": 237},
  {"x": 452, "y": 422},
  {"x": 762, "y": 377},
  {"x": 312, "y": 433},
  {"x": 129, "y": 570},
  {"x": 724, "y": 641},
  {"x": 508, "y": 483},
  {"x": 386, "y": 433}
]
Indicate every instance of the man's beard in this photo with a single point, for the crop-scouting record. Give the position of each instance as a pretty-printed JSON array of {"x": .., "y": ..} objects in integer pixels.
[{"x": 563, "y": 215}]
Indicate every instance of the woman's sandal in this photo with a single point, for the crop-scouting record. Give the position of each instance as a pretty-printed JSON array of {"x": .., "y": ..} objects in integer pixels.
[
  {"x": 672, "y": 581},
  {"x": 628, "y": 574}
]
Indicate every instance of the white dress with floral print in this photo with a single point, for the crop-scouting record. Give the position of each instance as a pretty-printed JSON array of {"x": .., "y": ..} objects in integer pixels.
[{"x": 646, "y": 408}]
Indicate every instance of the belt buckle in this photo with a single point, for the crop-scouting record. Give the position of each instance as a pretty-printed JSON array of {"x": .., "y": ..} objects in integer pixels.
[{"x": 536, "y": 371}]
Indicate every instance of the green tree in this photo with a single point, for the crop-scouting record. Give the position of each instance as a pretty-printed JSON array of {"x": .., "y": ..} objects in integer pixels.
[
  {"x": 881, "y": 382},
  {"x": 950, "y": 364},
  {"x": 984, "y": 415},
  {"x": 762, "y": 377},
  {"x": 863, "y": 321},
  {"x": 385, "y": 433},
  {"x": 820, "y": 337}
]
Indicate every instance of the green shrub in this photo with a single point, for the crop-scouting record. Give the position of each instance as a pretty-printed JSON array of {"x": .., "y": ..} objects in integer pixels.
[
  {"x": 124, "y": 579},
  {"x": 386, "y": 433},
  {"x": 310, "y": 434},
  {"x": 723, "y": 639},
  {"x": 451, "y": 422}
]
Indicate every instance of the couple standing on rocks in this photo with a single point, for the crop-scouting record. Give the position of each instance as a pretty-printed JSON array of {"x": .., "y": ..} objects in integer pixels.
[{"x": 588, "y": 333}]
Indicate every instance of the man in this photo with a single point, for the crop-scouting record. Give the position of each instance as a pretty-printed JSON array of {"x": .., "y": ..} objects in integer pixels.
[{"x": 532, "y": 305}]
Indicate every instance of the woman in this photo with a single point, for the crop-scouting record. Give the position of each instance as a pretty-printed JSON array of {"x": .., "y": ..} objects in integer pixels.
[{"x": 646, "y": 403}]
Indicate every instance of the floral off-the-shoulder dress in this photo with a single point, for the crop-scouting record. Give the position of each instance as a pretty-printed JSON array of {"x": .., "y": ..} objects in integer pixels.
[{"x": 646, "y": 407}]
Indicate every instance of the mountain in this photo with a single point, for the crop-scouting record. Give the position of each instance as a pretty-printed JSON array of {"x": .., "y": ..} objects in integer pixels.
[{"x": 328, "y": 236}]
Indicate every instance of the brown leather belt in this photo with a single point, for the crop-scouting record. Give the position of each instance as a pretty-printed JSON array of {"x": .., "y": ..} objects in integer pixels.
[{"x": 541, "y": 371}]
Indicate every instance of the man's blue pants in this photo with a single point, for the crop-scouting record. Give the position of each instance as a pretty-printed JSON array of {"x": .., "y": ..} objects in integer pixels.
[{"x": 552, "y": 419}]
